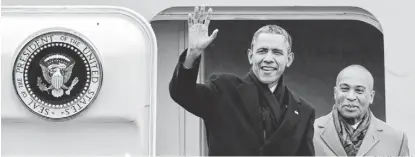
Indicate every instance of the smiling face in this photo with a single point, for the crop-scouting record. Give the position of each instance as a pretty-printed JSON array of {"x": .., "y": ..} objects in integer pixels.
[
  {"x": 270, "y": 56},
  {"x": 353, "y": 92}
]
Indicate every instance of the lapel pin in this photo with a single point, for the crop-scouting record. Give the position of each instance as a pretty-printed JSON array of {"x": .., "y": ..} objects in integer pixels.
[{"x": 296, "y": 112}]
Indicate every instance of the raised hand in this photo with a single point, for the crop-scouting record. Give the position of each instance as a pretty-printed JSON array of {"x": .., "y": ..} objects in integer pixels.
[{"x": 198, "y": 24}]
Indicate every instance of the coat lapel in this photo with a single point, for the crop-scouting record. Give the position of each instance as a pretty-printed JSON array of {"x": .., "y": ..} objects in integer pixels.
[
  {"x": 371, "y": 137},
  {"x": 290, "y": 119},
  {"x": 249, "y": 96},
  {"x": 248, "y": 93},
  {"x": 331, "y": 138}
]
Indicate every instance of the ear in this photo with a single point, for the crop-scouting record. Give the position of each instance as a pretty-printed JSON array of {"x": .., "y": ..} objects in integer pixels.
[
  {"x": 372, "y": 96},
  {"x": 290, "y": 58},
  {"x": 335, "y": 92},
  {"x": 250, "y": 54}
]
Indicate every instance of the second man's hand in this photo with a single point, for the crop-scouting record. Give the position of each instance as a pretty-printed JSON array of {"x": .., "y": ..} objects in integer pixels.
[{"x": 198, "y": 24}]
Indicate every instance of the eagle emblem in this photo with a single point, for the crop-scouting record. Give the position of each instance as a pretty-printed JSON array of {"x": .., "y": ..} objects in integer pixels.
[{"x": 57, "y": 70}]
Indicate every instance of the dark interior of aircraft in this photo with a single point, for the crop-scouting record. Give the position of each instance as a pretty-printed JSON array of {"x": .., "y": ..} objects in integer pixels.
[{"x": 322, "y": 49}]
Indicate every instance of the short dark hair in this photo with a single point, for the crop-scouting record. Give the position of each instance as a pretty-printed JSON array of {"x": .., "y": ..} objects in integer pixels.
[{"x": 273, "y": 29}]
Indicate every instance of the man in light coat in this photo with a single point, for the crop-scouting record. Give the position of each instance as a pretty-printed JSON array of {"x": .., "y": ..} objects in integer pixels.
[{"x": 350, "y": 129}]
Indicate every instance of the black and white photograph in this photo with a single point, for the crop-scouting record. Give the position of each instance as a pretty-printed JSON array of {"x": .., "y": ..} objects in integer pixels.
[
  {"x": 207, "y": 78},
  {"x": 286, "y": 87}
]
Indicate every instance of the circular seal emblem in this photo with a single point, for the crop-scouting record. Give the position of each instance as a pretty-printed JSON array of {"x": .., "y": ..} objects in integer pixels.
[{"x": 57, "y": 74}]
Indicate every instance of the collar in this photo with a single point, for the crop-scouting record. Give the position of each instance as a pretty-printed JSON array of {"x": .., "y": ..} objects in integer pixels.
[
  {"x": 273, "y": 88},
  {"x": 354, "y": 126},
  {"x": 328, "y": 131},
  {"x": 278, "y": 90},
  {"x": 327, "y": 120}
]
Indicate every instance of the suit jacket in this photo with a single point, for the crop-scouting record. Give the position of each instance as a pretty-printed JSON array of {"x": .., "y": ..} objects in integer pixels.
[
  {"x": 230, "y": 107},
  {"x": 380, "y": 139}
]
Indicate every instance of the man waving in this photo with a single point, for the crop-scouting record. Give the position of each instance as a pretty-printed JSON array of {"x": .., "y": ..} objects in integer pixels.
[{"x": 253, "y": 115}]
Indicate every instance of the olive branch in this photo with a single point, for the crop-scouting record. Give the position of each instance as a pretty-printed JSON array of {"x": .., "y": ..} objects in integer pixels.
[{"x": 41, "y": 85}]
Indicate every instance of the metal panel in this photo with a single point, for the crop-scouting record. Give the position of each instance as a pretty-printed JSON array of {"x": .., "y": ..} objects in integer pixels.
[{"x": 127, "y": 47}]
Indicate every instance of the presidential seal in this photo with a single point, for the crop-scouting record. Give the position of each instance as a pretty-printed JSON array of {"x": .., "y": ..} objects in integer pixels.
[{"x": 57, "y": 74}]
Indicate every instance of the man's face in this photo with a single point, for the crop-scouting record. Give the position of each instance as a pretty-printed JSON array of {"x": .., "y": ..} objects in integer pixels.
[
  {"x": 269, "y": 56},
  {"x": 353, "y": 93}
]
